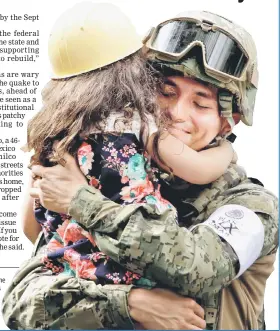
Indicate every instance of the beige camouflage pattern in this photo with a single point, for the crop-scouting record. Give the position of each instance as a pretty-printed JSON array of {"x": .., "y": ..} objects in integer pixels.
[
  {"x": 194, "y": 263},
  {"x": 36, "y": 299},
  {"x": 244, "y": 91}
]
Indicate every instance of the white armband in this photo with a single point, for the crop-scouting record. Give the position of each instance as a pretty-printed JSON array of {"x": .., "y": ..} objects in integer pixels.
[{"x": 242, "y": 229}]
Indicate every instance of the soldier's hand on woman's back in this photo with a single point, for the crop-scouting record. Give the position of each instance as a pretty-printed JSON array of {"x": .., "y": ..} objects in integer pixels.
[
  {"x": 57, "y": 185},
  {"x": 160, "y": 309}
]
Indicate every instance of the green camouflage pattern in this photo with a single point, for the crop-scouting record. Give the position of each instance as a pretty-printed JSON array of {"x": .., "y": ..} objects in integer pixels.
[
  {"x": 194, "y": 263},
  {"x": 244, "y": 91},
  {"x": 37, "y": 300}
]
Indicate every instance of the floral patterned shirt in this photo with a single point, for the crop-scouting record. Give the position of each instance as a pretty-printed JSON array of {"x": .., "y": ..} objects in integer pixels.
[{"x": 114, "y": 163}]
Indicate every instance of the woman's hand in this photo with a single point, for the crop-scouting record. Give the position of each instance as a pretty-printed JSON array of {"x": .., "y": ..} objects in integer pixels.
[
  {"x": 30, "y": 226},
  {"x": 160, "y": 309},
  {"x": 58, "y": 184}
]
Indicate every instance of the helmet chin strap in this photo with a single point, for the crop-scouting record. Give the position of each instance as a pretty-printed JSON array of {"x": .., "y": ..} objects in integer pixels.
[
  {"x": 218, "y": 139},
  {"x": 225, "y": 99}
]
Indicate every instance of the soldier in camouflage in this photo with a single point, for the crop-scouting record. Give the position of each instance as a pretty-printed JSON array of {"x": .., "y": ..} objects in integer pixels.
[{"x": 222, "y": 260}]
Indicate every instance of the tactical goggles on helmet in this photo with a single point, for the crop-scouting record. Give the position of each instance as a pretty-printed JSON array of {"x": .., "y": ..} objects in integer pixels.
[{"x": 223, "y": 56}]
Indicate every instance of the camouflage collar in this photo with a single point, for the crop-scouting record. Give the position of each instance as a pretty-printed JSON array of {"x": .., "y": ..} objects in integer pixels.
[{"x": 233, "y": 176}]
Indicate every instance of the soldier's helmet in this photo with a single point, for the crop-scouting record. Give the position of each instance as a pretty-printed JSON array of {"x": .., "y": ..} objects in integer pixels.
[
  {"x": 89, "y": 36},
  {"x": 211, "y": 48}
]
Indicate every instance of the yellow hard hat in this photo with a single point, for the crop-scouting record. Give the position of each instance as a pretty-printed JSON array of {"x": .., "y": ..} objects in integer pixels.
[{"x": 89, "y": 36}]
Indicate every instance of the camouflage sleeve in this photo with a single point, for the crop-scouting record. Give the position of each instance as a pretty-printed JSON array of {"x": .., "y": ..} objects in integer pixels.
[
  {"x": 265, "y": 205},
  {"x": 36, "y": 299},
  {"x": 153, "y": 245}
]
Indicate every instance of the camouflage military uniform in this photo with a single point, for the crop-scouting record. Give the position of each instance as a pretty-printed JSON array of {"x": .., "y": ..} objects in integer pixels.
[{"x": 195, "y": 263}]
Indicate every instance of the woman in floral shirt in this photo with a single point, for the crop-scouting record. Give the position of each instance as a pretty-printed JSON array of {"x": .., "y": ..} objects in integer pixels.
[{"x": 107, "y": 119}]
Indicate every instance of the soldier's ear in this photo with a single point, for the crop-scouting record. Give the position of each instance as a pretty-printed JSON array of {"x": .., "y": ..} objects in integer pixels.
[
  {"x": 225, "y": 127},
  {"x": 236, "y": 117}
]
